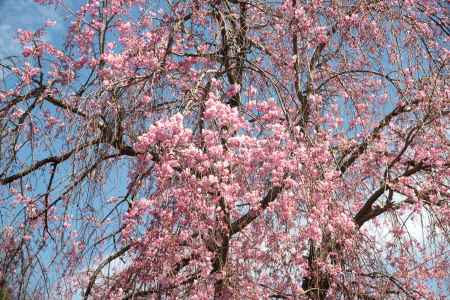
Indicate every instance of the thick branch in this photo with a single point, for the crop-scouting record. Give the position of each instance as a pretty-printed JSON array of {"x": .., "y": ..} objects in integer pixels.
[
  {"x": 356, "y": 152},
  {"x": 246, "y": 219},
  {"x": 43, "y": 162},
  {"x": 101, "y": 266},
  {"x": 366, "y": 212}
]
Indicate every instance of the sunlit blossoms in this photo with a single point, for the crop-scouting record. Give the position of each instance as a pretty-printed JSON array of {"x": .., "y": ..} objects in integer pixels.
[{"x": 228, "y": 150}]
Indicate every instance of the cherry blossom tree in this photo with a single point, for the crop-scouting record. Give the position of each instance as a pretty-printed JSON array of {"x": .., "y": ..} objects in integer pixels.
[{"x": 229, "y": 149}]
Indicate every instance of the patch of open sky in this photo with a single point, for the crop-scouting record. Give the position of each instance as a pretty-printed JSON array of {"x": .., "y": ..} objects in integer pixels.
[{"x": 29, "y": 16}]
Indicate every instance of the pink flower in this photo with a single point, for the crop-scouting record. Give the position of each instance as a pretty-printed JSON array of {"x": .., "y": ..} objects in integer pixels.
[
  {"x": 233, "y": 90},
  {"x": 27, "y": 52},
  {"x": 252, "y": 91},
  {"x": 50, "y": 23},
  {"x": 24, "y": 36}
]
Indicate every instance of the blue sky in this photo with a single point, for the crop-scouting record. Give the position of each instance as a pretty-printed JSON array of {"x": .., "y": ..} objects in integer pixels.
[{"x": 28, "y": 15}]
